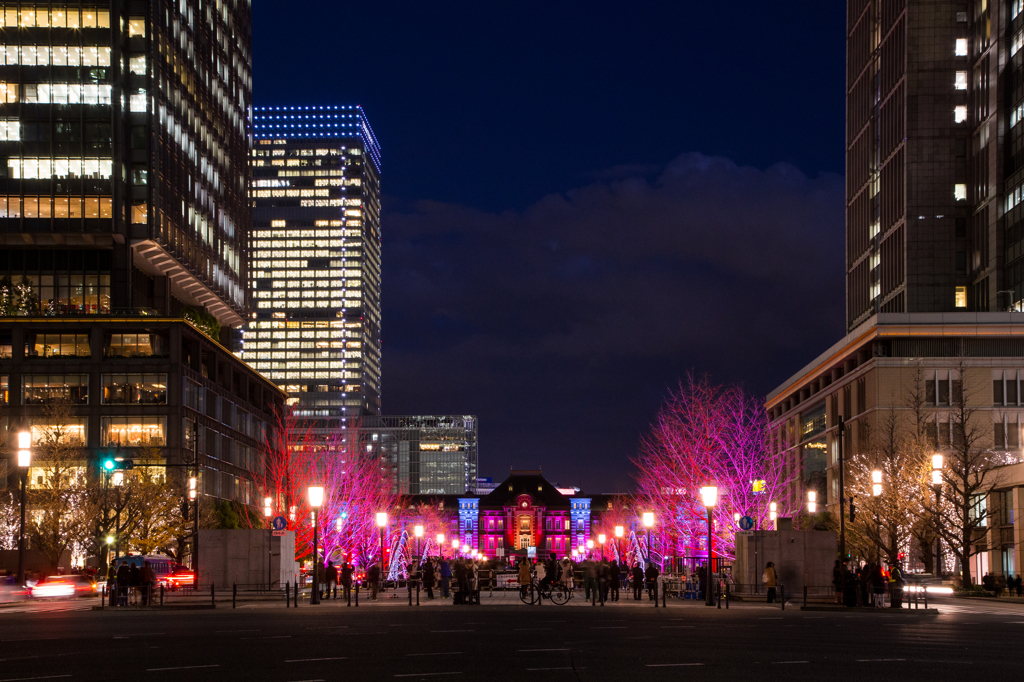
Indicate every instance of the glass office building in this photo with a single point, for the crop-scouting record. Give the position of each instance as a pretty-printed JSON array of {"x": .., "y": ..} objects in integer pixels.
[
  {"x": 123, "y": 132},
  {"x": 315, "y": 329}
]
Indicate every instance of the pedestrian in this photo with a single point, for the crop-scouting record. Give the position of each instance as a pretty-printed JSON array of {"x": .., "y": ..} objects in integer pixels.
[
  {"x": 589, "y": 579},
  {"x": 124, "y": 577},
  {"x": 602, "y": 581},
  {"x": 542, "y": 574},
  {"x": 147, "y": 577},
  {"x": 446, "y": 577},
  {"x": 837, "y": 581},
  {"x": 638, "y": 581},
  {"x": 651, "y": 576},
  {"x": 428, "y": 578},
  {"x": 702, "y": 581},
  {"x": 896, "y": 586},
  {"x": 770, "y": 579},
  {"x": 345, "y": 577},
  {"x": 877, "y": 580},
  {"x": 988, "y": 582},
  {"x": 459, "y": 574},
  {"x": 567, "y": 573},
  {"x": 473, "y": 583},
  {"x": 613, "y": 580},
  {"x": 373, "y": 577},
  {"x": 524, "y": 576},
  {"x": 1020, "y": 586},
  {"x": 331, "y": 580}
]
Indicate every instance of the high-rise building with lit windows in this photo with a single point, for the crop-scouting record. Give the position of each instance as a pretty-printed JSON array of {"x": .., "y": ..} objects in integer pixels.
[
  {"x": 315, "y": 328},
  {"x": 124, "y": 212}
]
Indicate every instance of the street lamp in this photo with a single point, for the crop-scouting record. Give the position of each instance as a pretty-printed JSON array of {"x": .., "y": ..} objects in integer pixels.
[
  {"x": 316, "y": 500},
  {"x": 440, "y": 543},
  {"x": 117, "y": 478},
  {"x": 24, "y": 459},
  {"x": 876, "y": 483},
  {"x": 382, "y": 523},
  {"x": 267, "y": 513},
  {"x": 648, "y": 519},
  {"x": 418, "y": 532},
  {"x": 937, "y": 464},
  {"x": 619, "y": 533},
  {"x": 601, "y": 538},
  {"x": 709, "y": 495},
  {"x": 812, "y": 502},
  {"x": 773, "y": 513}
]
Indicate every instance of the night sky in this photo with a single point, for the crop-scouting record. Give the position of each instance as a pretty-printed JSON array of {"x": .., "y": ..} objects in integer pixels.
[{"x": 585, "y": 200}]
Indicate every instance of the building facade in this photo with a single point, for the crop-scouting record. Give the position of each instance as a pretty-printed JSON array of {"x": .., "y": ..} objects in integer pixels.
[
  {"x": 124, "y": 132},
  {"x": 935, "y": 157},
  {"x": 316, "y": 328},
  {"x": 428, "y": 455}
]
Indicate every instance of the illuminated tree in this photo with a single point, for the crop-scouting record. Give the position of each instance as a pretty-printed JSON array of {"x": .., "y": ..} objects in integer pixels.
[{"x": 710, "y": 435}]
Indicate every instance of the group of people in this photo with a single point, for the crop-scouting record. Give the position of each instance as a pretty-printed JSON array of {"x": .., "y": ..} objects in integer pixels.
[
  {"x": 127, "y": 576},
  {"x": 601, "y": 579},
  {"x": 461, "y": 576},
  {"x": 868, "y": 584},
  {"x": 997, "y": 584}
]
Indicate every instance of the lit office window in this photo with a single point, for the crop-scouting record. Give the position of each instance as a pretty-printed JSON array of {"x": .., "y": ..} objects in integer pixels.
[
  {"x": 960, "y": 114},
  {"x": 961, "y": 80},
  {"x": 961, "y": 47},
  {"x": 961, "y": 297},
  {"x": 960, "y": 192}
]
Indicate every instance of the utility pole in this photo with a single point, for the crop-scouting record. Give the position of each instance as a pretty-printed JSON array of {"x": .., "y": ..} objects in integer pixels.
[{"x": 195, "y": 511}]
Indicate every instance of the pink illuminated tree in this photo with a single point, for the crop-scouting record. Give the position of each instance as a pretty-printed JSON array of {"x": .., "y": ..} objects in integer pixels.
[{"x": 709, "y": 435}]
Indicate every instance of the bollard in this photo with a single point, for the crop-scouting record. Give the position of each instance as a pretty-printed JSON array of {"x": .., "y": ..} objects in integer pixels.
[
  {"x": 805, "y": 594},
  {"x": 357, "y": 593},
  {"x": 234, "y": 593},
  {"x": 718, "y": 588},
  {"x": 103, "y": 596},
  {"x": 410, "y": 592},
  {"x": 287, "y": 595},
  {"x": 664, "y": 597},
  {"x": 296, "y": 593},
  {"x": 654, "y": 587},
  {"x": 593, "y": 597},
  {"x": 926, "y": 599},
  {"x": 782, "y": 591},
  {"x": 727, "y": 596},
  {"x": 417, "y": 594}
]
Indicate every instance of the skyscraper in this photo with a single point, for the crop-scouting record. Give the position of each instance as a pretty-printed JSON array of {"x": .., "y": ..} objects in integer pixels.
[
  {"x": 124, "y": 209},
  {"x": 316, "y": 258},
  {"x": 934, "y": 153}
]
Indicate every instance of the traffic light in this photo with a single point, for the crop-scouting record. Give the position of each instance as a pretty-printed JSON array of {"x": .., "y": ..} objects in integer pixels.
[{"x": 117, "y": 464}]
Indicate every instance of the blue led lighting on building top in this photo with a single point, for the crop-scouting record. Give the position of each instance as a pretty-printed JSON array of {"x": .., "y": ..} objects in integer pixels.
[{"x": 316, "y": 123}]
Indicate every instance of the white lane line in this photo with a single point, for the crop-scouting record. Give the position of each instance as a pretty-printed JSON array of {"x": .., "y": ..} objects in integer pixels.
[
  {"x": 771, "y": 618},
  {"x": 183, "y": 667},
  {"x": 670, "y": 665},
  {"x": 877, "y": 660},
  {"x": 45, "y": 677},
  {"x": 453, "y": 631},
  {"x": 307, "y": 660},
  {"x": 786, "y": 662},
  {"x": 609, "y": 627},
  {"x": 426, "y": 674},
  {"x": 440, "y": 653},
  {"x": 224, "y": 632},
  {"x": 307, "y": 681},
  {"x": 664, "y": 627},
  {"x": 536, "y": 669},
  {"x": 524, "y": 650}
]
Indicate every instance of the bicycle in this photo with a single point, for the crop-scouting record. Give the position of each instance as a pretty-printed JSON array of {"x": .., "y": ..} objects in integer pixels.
[{"x": 557, "y": 593}]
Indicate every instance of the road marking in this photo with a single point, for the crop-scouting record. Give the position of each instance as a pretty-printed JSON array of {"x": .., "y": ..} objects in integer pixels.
[
  {"x": 426, "y": 674},
  {"x": 440, "y": 653},
  {"x": 536, "y": 669},
  {"x": 610, "y": 627},
  {"x": 529, "y": 629},
  {"x": 523, "y": 650},
  {"x": 770, "y": 618},
  {"x": 224, "y": 632},
  {"x": 453, "y": 631},
  {"x": 307, "y": 660},
  {"x": 670, "y": 665},
  {"x": 46, "y": 677},
  {"x": 877, "y": 660},
  {"x": 677, "y": 626},
  {"x": 184, "y": 667},
  {"x": 307, "y": 680},
  {"x": 785, "y": 662}
]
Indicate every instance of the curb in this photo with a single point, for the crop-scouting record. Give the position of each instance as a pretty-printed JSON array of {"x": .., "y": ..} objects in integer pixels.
[{"x": 869, "y": 609}]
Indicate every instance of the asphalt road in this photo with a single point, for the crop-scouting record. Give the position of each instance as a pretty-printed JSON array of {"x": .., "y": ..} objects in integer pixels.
[{"x": 390, "y": 641}]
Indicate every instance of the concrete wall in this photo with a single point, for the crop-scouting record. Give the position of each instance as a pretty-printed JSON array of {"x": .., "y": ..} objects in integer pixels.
[
  {"x": 241, "y": 556},
  {"x": 34, "y": 561},
  {"x": 798, "y": 556}
]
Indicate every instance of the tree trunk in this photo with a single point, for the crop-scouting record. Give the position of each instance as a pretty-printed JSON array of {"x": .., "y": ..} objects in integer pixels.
[{"x": 965, "y": 566}]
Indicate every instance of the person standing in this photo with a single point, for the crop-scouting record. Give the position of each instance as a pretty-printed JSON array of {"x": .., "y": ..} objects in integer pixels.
[
  {"x": 651, "y": 576},
  {"x": 638, "y": 581},
  {"x": 345, "y": 577},
  {"x": 770, "y": 579},
  {"x": 567, "y": 573},
  {"x": 446, "y": 577},
  {"x": 589, "y": 579},
  {"x": 524, "y": 576},
  {"x": 331, "y": 581},
  {"x": 124, "y": 578},
  {"x": 373, "y": 577},
  {"x": 613, "y": 580},
  {"x": 428, "y": 578},
  {"x": 147, "y": 578},
  {"x": 896, "y": 587}
]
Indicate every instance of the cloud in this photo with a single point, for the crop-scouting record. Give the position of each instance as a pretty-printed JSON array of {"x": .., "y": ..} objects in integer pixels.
[{"x": 562, "y": 326}]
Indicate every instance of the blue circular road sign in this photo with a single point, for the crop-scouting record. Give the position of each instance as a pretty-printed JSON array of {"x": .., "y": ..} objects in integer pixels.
[
  {"x": 746, "y": 523},
  {"x": 279, "y": 523}
]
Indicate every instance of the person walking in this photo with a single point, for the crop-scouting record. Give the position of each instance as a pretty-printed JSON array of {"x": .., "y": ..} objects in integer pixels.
[
  {"x": 345, "y": 578},
  {"x": 1020, "y": 586},
  {"x": 638, "y": 581},
  {"x": 124, "y": 577},
  {"x": 878, "y": 586},
  {"x": 566, "y": 571},
  {"x": 770, "y": 579},
  {"x": 331, "y": 581},
  {"x": 428, "y": 578},
  {"x": 613, "y": 580},
  {"x": 589, "y": 579},
  {"x": 373, "y": 577},
  {"x": 473, "y": 583},
  {"x": 147, "y": 578},
  {"x": 134, "y": 582},
  {"x": 446, "y": 578},
  {"x": 896, "y": 587},
  {"x": 524, "y": 576}
]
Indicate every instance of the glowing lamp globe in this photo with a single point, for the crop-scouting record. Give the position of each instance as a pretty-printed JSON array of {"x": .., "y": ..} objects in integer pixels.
[
  {"x": 709, "y": 495},
  {"x": 382, "y": 519},
  {"x": 316, "y": 496},
  {"x": 648, "y": 519}
]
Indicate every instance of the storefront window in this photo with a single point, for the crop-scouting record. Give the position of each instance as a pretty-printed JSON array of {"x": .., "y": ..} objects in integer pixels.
[
  {"x": 37, "y": 389},
  {"x": 58, "y": 345},
  {"x": 69, "y": 432},
  {"x": 133, "y": 431},
  {"x": 134, "y": 389}
]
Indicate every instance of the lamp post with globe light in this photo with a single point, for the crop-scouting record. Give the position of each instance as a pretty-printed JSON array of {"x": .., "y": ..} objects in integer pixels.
[
  {"x": 24, "y": 459},
  {"x": 619, "y": 533},
  {"x": 648, "y": 520},
  {"x": 267, "y": 513},
  {"x": 440, "y": 544},
  {"x": 937, "y": 464},
  {"x": 418, "y": 532},
  {"x": 709, "y": 495},
  {"x": 601, "y": 539},
  {"x": 382, "y": 523},
  {"x": 316, "y": 500}
]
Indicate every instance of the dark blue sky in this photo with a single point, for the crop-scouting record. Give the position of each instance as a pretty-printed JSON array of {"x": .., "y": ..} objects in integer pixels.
[{"x": 584, "y": 200}]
